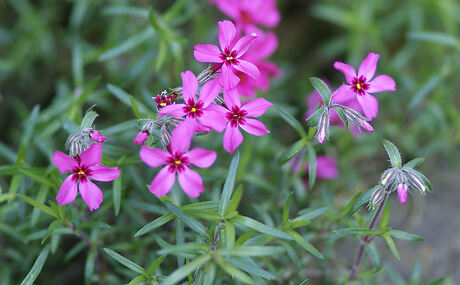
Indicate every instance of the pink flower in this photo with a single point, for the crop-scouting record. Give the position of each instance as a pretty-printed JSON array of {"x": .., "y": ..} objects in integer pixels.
[
  {"x": 261, "y": 48},
  {"x": 239, "y": 116},
  {"x": 248, "y": 13},
  {"x": 141, "y": 137},
  {"x": 326, "y": 166},
  {"x": 97, "y": 137},
  {"x": 178, "y": 160},
  {"x": 362, "y": 84},
  {"x": 229, "y": 56},
  {"x": 86, "y": 165},
  {"x": 402, "y": 193},
  {"x": 199, "y": 109}
]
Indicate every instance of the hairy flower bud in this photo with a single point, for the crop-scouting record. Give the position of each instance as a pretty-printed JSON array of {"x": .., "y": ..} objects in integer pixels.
[
  {"x": 376, "y": 198},
  {"x": 415, "y": 181},
  {"x": 165, "y": 135},
  {"x": 323, "y": 126},
  {"x": 388, "y": 177}
]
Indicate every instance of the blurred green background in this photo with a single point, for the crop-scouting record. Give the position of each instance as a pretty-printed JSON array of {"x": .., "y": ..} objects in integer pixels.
[{"x": 58, "y": 57}]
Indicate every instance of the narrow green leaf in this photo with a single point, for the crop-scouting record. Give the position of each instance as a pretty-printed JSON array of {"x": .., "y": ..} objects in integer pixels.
[
  {"x": 436, "y": 37},
  {"x": 391, "y": 245},
  {"x": 393, "y": 153},
  {"x": 185, "y": 270},
  {"x": 229, "y": 235},
  {"x": 233, "y": 271},
  {"x": 251, "y": 267},
  {"x": 405, "y": 236},
  {"x": 155, "y": 224},
  {"x": 292, "y": 151},
  {"x": 125, "y": 262},
  {"x": 37, "y": 267},
  {"x": 37, "y": 177},
  {"x": 313, "y": 120},
  {"x": 90, "y": 264},
  {"x": 117, "y": 194},
  {"x": 310, "y": 214},
  {"x": 352, "y": 232},
  {"x": 258, "y": 226},
  {"x": 322, "y": 89},
  {"x": 125, "y": 97},
  {"x": 138, "y": 280},
  {"x": 363, "y": 199},
  {"x": 292, "y": 122},
  {"x": 416, "y": 162},
  {"x": 311, "y": 165},
  {"x": 190, "y": 222},
  {"x": 305, "y": 244},
  {"x": 229, "y": 184},
  {"x": 135, "y": 107},
  {"x": 38, "y": 205},
  {"x": 54, "y": 225},
  {"x": 286, "y": 207},
  {"x": 256, "y": 250},
  {"x": 155, "y": 264},
  {"x": 385, "y": 216},
  {"x": 236, "y": 198}
]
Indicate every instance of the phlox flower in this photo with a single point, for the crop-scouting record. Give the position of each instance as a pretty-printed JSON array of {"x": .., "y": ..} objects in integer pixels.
[
  {"x": 96, "y": 136},
  {"x": 229, "y": 55},
  {"x": 248, "y": 13},
  {"x": 84, "y": 166},
  {"x": 238, "y": 115},
  {"x": 261, "y": 48},
  {"x": 178, "y": 160},
  {"x": 200, "y": 109},
  {"x": 362, "y": 85}
]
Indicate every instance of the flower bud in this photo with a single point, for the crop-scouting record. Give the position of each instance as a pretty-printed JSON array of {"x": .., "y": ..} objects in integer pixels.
[
  {"x": 416, "y": 181},
  {"x": 141, "y": 137},
  {"x": 402, "y": 193},
  {"x": 388, "y": 177},
  {"x": 366, "y": 125},
  {"x": 376, "y": 198},
  {"x": 96, "y": 136},
  {"x": 323, "y": 126},
  {"x": 165, "y": 135}
]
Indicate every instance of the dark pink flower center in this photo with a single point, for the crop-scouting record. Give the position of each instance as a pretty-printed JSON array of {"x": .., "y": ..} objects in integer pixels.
[
  {"x": 193, "y": 109},
  {"x": 177, "y": 162},
  {"x": 81, "y": 172},
  {"x": 229, "y": 56},
  {"x": 359, "y": 85},
  {"x": 236, "y": 116}
]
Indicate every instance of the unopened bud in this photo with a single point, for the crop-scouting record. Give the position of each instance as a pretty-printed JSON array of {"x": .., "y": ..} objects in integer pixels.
[
  {"x": 416, "y": 181},
  {"x": 323, "y": 126},
  {"x": 366, "y": 125},
  {"x": 141, "y": 137},
  {"x": 376, "y": 198},
  {"x": 165, "y": 135},
  {"x": 388, "y": 177},
  {"x": 97, "y": 137},
  {"x": 402, "y": 193}
]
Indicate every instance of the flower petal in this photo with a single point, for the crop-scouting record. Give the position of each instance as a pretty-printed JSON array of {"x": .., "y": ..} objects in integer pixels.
[
  {"x": 91, "y": 194},
  {"x": 254, "y": 127},
  {"x": 256, "y": 107},
  {"x": 209, "y": 92},
  {"x": 207, "y": 53},
  {"x": 104, "y": 173},
  {"x": 163, "y": 182},
  {"x": 232, "y": 98},
  {"x": 176, "y": 110},
  {"x": 232, "y": 138},
  {"x": 92, "y": 155},
  {"x": 213, "y": 119},
  {"x": 369, "y": 104},
  {"x": 97, "y": 137},
  {"x": 227, "y": 32},
  {"x": 243, "y": 44},
  {"x": 248, "y": 68},
  {"x": 229, "y": 79},
  {"x": 191, "y": 182},
  {"x": 182, "y": 135},
  {"x": 326, "y": 167},
  {"x": 68, "y": 191},
  {"x": 201, "y": 157},
  {"x": 348, "y": 70},
  {"x": 343, "y": 94},
  {"x": 63, "y": 162},
  {"x": 153, "y": 157},
  {"x": 141, "y": 137},
  {"x": 368, "y": 66},
  {"x": 189, "y": 85},
  {"x": 382, "y": 83}
]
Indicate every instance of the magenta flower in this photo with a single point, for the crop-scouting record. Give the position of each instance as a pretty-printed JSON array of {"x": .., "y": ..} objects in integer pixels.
[
  {"x": 141, "y": 137},
  {"x": 86, "y": 165},
  {"x": 248, "y": 13},
  {"x": 178, "y": 160},
  {"x": 402, "y": 193},
  {"x": 362, "y": 84},
  {"x": 229, "y": 56},
  {"x": 97, "y": 137},
  {"x": 261, "y": 48},
  {"x": 239, "y": 116},
  {"x": 199, "y": 109}
]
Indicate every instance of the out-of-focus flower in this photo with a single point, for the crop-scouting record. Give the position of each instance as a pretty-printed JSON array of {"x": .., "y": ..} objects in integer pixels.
[
  {"x": 238, "y": 115},
  {"x": 248, "y": 13},
  {"x": 201, "y": 109},
  {"x": 229, "y": 57},
  {"x": 362, "y": 85},
  {"x": 326, "y": 166},
  {"x": 141, "y": 137},
  {"x": 84, "y": 166},
  {"x": 96, "y": 136},
  {"x": 178, "y": 160}
]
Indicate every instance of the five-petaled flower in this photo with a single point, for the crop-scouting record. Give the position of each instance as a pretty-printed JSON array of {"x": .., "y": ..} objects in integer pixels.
[
  {"x": 362, "y": 85},
  {"x": 178, "y": 160},
  {"x": 229, "y": 57},
  {"x": 84, "y": 166},
  {"x": 200, "y": 109},
  {"x": 238, "y": 115}
]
